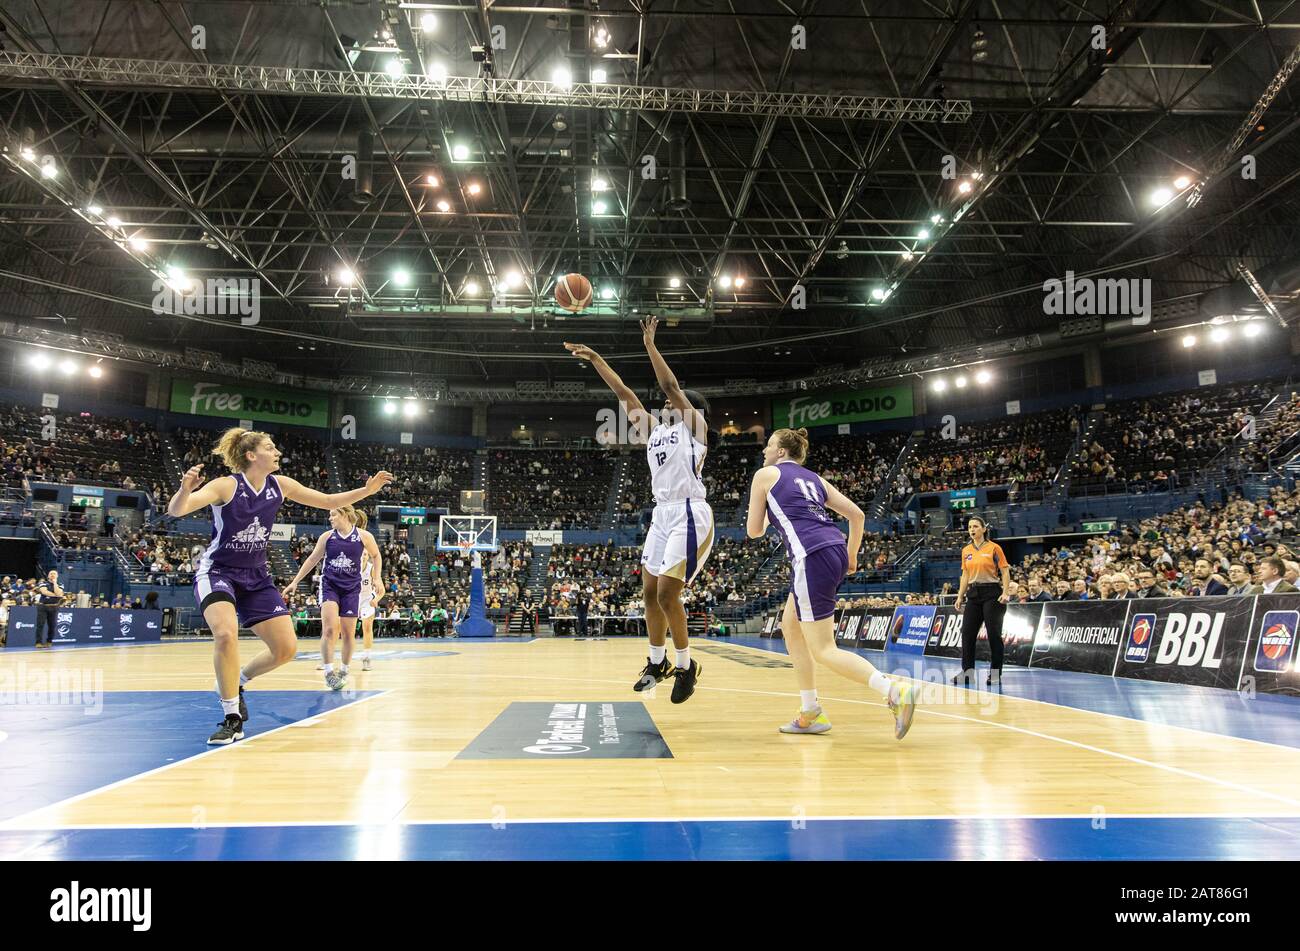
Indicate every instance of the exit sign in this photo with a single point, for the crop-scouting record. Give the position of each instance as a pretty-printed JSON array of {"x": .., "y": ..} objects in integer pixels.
[{"x": 1092, "y": 527}]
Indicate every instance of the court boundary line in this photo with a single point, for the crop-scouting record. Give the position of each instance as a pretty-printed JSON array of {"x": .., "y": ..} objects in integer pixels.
[
  {"x": 1062, "y": 706},
  {"x": 7, "y": 825}
]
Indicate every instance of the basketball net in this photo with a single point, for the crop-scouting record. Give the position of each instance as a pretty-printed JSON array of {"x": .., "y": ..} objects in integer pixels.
[{"x": 470, "y": 555}]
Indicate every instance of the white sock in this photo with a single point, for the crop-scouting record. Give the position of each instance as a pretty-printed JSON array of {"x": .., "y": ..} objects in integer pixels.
[
  {"x": 808, "y": 699},
  {"x": 657, "y": 654},
  {"x": 230, "y": 707},
  {"x": 343, "y": 668},
  {"x": 881, "y": 684},
  {"x": 684, "y": 658},
  {"x": 243, "y": 678},
  {"x": 365, "y": 655}
]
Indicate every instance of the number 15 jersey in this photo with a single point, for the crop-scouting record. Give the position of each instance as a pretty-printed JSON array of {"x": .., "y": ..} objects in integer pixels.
[{"x": 676, "y": 460}]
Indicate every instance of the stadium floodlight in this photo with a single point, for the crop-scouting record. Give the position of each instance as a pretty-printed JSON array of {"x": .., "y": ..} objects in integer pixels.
[
  {"x": 1220, "y": 334},
  {"x": 599, "y": 76},
  {"x": 39, "y": 361},
  {"x": 428, "y": 22},
  {"x": 96, "y": 372},
  {"x": 1181, "y": 182},
  {"x": 1189, "y": 340},
  {"x": 437, "y": 72},
  {"x": 1253, "y": 329},
  {"x": 390, "y": 409},
  {"x": 410, "y": 408},
  {"x": 939, "y": 385},
  {"x": 960, "y": 382},
  {"x": 1162, "y": 196},
  {"x": 924, "y": 234},
  {"x": 983, "y": 376}
]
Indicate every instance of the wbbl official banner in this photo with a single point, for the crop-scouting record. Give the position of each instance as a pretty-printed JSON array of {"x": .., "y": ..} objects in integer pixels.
[
  {"x": 1186, "y": 640},
  {"x": 1018, "y": 629},
  {"x": 863, "y": 627},
  {"x": 1079, "y": 635}
]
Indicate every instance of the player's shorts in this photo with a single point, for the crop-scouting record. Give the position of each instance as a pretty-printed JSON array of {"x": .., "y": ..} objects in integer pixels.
[
  {"x": 815, "y": 578},
  {"x": 680, "y": 539},
  {"x": 345, "y": 598},
  {"x": 251, "y": 590}
]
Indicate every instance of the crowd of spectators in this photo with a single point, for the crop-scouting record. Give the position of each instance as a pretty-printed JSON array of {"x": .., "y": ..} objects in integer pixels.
[
  {"x": 86, "y": 449},
  {"x": 425, "y": 476},
  {"x": 548, "y": 488}
]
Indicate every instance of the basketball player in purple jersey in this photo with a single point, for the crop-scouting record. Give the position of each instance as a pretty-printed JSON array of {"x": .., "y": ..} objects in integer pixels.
[
  {"x": 341, "y": 548},
  {"x": 232, "y": 583},
  {"x": 794, "y": 499}
]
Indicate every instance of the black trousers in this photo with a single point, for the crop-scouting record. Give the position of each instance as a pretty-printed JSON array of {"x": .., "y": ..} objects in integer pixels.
[
  {"x": 982, "y": 608},
  {"x": 46, "y": 618}
]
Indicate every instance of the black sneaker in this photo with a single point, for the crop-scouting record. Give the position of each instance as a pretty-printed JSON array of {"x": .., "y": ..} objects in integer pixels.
[
  {"x": 653, "y": 673},
  {"x": 243, "y": 707},
  {"x": 965, "y": 679},
  {"x": 995, "y": 679},
  {"x": 229, "y": 730},
  {"x": 684, "y": 681}
]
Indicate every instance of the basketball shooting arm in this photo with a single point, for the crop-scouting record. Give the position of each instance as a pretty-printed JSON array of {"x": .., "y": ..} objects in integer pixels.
[
  {"x": 312, "y": 561},
  {"x": 841, "y": 504},
  {"x": 190, "y": 498},
  {"x": 668, "y": 382},
  {"x": 295, "y": 491},
  {"x": 756, "y": 523}
]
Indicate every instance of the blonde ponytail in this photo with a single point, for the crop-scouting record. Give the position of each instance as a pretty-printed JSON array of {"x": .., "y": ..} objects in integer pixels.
[
  {"x": 794, "y": 442},
  {"x": 235, "y": 444}
]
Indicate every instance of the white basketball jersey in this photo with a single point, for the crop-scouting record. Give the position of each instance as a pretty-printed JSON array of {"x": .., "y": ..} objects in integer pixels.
[
  {"x": 676, "y": 460},
  {"x": 365, "y": 571}
]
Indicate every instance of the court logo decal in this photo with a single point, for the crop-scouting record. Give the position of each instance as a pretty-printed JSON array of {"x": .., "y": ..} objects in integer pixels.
[
  {"x": 569, "y": 730},
  {"x": 741, "y": 656}
]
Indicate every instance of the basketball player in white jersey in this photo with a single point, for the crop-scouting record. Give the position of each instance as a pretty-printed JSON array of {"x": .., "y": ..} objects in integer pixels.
[
  {"x": 371, "y": 586},
  {"x": 681, "y": 534}
]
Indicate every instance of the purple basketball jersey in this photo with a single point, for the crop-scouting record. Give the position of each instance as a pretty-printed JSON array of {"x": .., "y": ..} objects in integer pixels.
[
  {"x": 241, "y": 529},
  {"x": 795, "y": 506},
  {"x": 343, "y": 560}
]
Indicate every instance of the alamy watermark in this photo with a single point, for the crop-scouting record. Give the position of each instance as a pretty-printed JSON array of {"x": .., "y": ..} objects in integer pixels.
[
  {"x": 217, "y": 296},
  {"x": 63, "y": 687},
  {"x": 622, "y": 428},
  {"x": 1086, "y": 296}
]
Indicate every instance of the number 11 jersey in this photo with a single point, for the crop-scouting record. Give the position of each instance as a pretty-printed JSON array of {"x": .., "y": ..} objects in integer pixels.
[{"x": 796, "y": 507}]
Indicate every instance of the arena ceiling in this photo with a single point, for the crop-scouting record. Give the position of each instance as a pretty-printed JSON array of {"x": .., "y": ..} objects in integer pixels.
[{"x": 795, "y": 143}]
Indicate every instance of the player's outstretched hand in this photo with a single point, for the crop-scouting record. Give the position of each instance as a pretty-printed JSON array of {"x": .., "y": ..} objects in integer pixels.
[
  {"x": 581, "y": 351},
  {"x": 648, "y": 328},
  {"x": 192, "y": 479},
  {"x": 378, "y": 481}
]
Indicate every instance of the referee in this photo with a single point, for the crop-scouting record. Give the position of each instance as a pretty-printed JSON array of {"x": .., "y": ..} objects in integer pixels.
[
  {"x": 986, "y": 579},
  {"x": 51, "y": 596}
]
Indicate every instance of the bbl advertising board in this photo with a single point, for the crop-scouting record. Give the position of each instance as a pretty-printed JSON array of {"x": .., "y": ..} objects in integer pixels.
[
  {"x": 864, "y": 627},
  {"x": 86, "y": 626},
  {"x": 1186, "y": 640},
  {"x": 1271, "y": 651},
  {"x": 1079, "y": 635},
  {"x": 1018, "y": 628},
  {"x": 842, "y": 406},
  {"x": 244, "y": 401},
  {"x": 909, "y": 631}
]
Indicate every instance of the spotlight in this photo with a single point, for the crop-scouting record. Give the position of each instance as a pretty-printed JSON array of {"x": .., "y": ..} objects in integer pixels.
[
  {"x": 960, "y": 383},
  {"x": 138, "y": 242},
  {"x": 474, "y": 188},
  {"x": 924, "y": 234},
  {"x": 460, "y": 152},
  {"x": 410, "y": 408},
  {"x": 444, "y": 205},
  {"x": 908, "y": 255},
  {"x": 562, "y": 77},
  {"x": 96, "y": 372},
  {"x": 1220, "y": 334},
  {"x": 674, "y": 282},
  {"x": 39, "y": 361},
  {"x": 598, "y": 207},
  {"x": 935, "y": 219},
  {"x": 394, "y": 68},
  {"x": 471, "y": 288},
  {"x": 725, "y": 280},
  {"x": 67, "y": 367},
  {"x": 178, "y": 280},
  {"x": 1161, "y": 197},
  {"x": 28, "y": 154},
  {"x": 428, "y": 22},
  {"x": 1189, "y": 340},
  {"x": 983, "y": 376},
  {"x": 740, "y": 282},
  {"x": 437, "y": 72},
  {"x": 599, "y": 76},
  {"x": 878, "y": 293},
  {"x": 48, "y": 168},
  {"x": 599, "y": 184},
  {"x": 113, "y": 221},
  {"x": 94, "y": 210},
  {"x": 939, "y": 386},
  {"x": 1253, "y": 329},
  {"x": 432, "y": 180},
  {"x": 389, "y": 409},
  {"x": 346, "y": 276},
  {"x": 607, "y": 293},
  {"x": 402, "y": 277},
  {"x": 964, "y": 187},
  {"x": 602, "y": 36},
  {"x": 1181, "y": 182},
  {"x": 514, "y": 279}
]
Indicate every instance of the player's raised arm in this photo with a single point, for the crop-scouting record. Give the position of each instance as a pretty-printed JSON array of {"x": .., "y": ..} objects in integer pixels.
[
  {"x": 295, "y": 491},
  {"x": 636, "y": 413},
  {"x": 190, "y": 498},
  {"x": 668, "y": 381}
]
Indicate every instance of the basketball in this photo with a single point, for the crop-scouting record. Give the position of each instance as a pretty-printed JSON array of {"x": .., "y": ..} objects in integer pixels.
[{"x": 573, "y": 292}]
